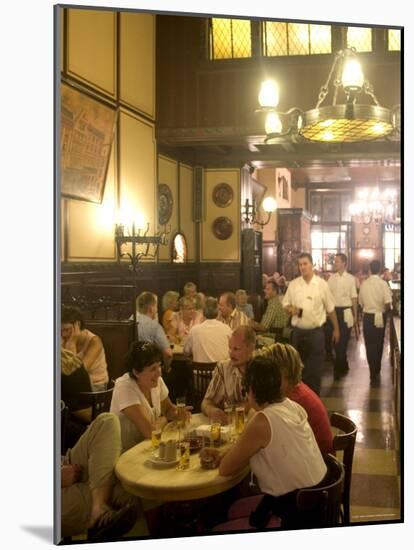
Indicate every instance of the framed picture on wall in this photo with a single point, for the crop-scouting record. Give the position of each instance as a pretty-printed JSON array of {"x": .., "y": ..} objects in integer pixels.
[{"x": 86, "y": 136}]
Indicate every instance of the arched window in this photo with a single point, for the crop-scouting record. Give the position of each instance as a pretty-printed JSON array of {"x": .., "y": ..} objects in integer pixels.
[{"x": 179, "y": 249}]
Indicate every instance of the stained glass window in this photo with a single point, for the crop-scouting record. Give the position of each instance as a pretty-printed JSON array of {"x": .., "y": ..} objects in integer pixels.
[
  {"x": 394, "y": 40},
  {"x": 230, "y": 38},
  {"x": 359, "y": 38},
  {"x": 281, "y": 39}
]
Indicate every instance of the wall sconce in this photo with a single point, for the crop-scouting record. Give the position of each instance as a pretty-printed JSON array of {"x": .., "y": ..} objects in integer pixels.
[
  {"x": 141, "y": 243},
  {"x": 250, "y": 211}
]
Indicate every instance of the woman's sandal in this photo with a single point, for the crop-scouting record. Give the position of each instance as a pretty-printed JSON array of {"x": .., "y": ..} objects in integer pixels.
[{"x": 113, "y": 523}]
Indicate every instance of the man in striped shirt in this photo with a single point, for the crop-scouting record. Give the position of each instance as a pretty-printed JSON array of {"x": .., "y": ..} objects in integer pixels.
[
  {"x": 226, "y": 386},
  {"x": 229, "y": 314}
]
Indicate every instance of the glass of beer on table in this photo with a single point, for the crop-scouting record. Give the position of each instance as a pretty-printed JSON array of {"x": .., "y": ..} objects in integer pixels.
[
  {"x": 180, "y": 403},
  {"x": 239, "y": 423},
  {"x": 156, "y": 435},
  {"x": 183, "y": 455}
]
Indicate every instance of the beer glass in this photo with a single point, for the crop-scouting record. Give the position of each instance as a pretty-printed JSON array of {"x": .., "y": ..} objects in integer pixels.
[{"x": 239, "y": 420}]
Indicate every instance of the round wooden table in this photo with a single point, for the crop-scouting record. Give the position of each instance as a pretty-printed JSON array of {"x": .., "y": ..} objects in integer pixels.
[{"x": 142, "y": 479}]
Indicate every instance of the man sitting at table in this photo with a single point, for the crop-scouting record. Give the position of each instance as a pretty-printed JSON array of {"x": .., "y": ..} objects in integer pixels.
[
  {"x": 229, "y": 314},
  {"x": 148, "y": 327},
  {"x": 208, "y": 342},
  {"x": 274, "y": 318},
  {"x": 226, "y": 386}
]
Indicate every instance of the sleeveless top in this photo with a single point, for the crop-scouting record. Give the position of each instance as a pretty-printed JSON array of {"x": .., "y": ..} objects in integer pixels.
[
  {"x": 98, "y": 371},
  {"x": 292, "y": 459}
]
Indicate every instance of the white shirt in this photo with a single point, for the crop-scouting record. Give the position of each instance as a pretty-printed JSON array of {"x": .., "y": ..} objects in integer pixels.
[
  {"x": 374, "y": 294},
  {"x": 343, "y": 288},
  {"x": 208, "y": 342},
  {"x": 126, "y": 393},
  {"x": 292, "y": 459},
  {"x": 314, "y": 298}
]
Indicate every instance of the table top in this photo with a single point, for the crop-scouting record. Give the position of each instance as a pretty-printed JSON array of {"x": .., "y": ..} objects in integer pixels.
[{"x": 140, "y": 478}]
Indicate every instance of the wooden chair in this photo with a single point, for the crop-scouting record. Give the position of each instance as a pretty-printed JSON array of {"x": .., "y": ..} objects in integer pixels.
[
  {"x": 345, "y": 442},
  {"x": 201, "y": 376},
  {"x": 100, "y": 401},
  {"x": 320, "y": 506}
]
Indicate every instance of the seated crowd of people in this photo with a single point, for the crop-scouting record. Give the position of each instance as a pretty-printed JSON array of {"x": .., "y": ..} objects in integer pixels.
[{"x": 286, "y": 436}]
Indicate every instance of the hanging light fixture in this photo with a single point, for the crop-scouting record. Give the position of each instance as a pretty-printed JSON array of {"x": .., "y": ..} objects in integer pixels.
[
  {"x": 373, "y": 206},
  {"x": 348, "y": 121}
]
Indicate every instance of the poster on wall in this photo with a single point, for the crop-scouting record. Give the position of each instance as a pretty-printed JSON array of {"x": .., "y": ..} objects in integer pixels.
[{"x": 86, "y": 136}]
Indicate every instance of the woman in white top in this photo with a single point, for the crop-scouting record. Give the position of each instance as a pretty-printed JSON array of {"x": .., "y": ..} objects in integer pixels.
[
  {"x": 278, "y": 442},
  {"x": 140, "y": 396}
]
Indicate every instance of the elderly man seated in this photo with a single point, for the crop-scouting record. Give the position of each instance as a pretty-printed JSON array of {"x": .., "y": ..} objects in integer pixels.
[
  {"x": 296, "y": 390},
  {"x": 229, "y": 314},
  {"x": 208, "y": 342},
  {"x": 226, "y": 387}
]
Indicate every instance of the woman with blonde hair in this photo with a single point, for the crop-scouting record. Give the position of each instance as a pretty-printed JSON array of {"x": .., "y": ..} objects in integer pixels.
[
  {"x": 296, "y": 390},
  {"x": 169, "y": 308},
  {"x": 184, "y": 320}
]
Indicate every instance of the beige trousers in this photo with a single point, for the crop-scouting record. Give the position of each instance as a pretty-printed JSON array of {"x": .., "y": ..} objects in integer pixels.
[{"x": 97, "y": 451}]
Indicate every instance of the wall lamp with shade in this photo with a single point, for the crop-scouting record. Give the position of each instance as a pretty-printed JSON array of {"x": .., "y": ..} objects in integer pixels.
[
  {"x": 348, "y": 121},
  {"x": 250, "y": 211},
  {"x": 144, "y": 246}
]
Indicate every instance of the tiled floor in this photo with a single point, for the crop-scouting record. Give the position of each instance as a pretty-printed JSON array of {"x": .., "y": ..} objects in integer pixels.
[{"x": 375, "y": 489}]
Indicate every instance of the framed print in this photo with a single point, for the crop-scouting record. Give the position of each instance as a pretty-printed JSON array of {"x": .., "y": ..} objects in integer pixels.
[{"x": 86, "y": 136}]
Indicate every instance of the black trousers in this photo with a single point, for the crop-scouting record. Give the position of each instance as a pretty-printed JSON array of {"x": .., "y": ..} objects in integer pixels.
[
  {"x": 311, "y": 347},
  {"x": 341, "y": 361},
  {"x": 374, "y": 343}
]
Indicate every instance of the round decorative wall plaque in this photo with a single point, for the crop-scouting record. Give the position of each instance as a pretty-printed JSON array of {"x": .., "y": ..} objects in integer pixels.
[
  {"x": 222, "y": 228},
  {"x": 165, "y": 203},
  {"x": 222, "y": 195}
]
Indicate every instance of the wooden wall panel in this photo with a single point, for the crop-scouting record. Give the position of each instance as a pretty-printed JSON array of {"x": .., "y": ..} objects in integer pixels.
[
  {"x": 92, "y": 48},
  {"x": 212, "y": 248},
  {"x": 168, "y": 174},
  {"x": 137, "y": 61},
  {"x": 187, "y": 225}
]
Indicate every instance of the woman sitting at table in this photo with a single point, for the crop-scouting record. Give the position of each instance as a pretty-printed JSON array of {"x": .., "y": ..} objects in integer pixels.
[
  {"x": 86, "y": 345},
  {"x": 140, "y": 396},
  {"x": 184, "y": 320},
  {"x": 280, "y": 446},
  {"x": 169, "y": 308}
]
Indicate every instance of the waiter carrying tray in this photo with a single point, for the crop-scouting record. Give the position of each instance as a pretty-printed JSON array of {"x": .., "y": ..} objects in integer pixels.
[
  {"x": 309, "y": 300},
  {"x": 343, "y": 287}
]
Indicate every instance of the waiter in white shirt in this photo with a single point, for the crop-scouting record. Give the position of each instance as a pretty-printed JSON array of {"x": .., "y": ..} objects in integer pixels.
[
  {"x": 309, "y": 300},
  {"x": 343, "y": 287},
  {"x": 375, "y": 298}
]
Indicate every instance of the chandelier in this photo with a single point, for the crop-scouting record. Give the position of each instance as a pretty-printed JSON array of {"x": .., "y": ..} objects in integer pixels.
[
  {"x": 347, "y": 121},
  {"x": 373, "y": 206}
]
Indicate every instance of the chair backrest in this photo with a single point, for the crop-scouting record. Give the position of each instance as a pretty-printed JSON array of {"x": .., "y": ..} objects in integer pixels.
[
  {"x": 201, "y": 376},
  {"x": 345, "y": 441},
  {"x": 100, "y": 401},
  {"x": 319, "y": 506}
]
